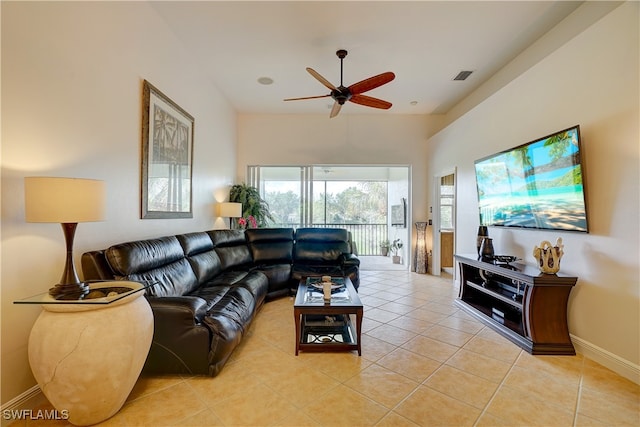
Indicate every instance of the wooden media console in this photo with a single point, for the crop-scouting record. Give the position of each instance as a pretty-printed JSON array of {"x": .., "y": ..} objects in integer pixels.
[{"x": 517, "y": 301}]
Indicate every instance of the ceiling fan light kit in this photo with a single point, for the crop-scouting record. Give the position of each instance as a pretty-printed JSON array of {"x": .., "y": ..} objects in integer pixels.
[{"x": 353, "y": 93}]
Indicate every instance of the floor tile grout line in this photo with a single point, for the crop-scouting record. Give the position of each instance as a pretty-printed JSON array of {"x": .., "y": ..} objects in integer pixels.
[
  {"x": 579, "y": 397},
  {"x": 495, "y": 393}
]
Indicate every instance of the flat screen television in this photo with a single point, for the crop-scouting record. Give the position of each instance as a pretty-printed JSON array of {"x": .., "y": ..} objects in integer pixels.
[{"x": 537, "y": 185}]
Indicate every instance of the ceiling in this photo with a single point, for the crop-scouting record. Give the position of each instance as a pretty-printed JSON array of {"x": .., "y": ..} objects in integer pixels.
[{"x": 425, "y": 43}]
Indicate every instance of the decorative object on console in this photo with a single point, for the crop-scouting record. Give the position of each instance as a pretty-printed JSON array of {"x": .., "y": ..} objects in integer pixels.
[
  {"x": 548, "y": 256},
  {"x": 504, "y": 259},
  {"x": 482, "y": 233},
  {"x": 486, "y": 249},
  {"x": 67, "y": 201},
  {"x": 421, "y": 259},
  {"x": 230, "y": 210},
  {"x": 167, "y": 156}
]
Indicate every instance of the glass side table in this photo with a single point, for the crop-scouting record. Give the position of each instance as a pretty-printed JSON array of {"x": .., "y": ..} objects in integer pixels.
[
  {"x": 87, "y": 354},
  {"x": 46, "y": 298}
]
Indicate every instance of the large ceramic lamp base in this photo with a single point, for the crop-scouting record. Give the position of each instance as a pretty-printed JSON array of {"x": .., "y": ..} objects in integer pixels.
[{"x": 87, "y": 357}]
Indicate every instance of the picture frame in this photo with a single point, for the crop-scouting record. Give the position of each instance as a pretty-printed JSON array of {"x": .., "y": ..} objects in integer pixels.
[
  {"x": 399, "y": 214},
  {"x": 167, "y": 157}
]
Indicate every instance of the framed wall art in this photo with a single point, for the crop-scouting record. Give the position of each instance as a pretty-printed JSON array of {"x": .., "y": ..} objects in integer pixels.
[
  {"x": 399, "y": 214},
  {"x": 167, "y": 157}
]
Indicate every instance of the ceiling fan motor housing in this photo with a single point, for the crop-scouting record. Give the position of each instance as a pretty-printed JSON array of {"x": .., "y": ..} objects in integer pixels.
[{"x": 341, "y": 94}]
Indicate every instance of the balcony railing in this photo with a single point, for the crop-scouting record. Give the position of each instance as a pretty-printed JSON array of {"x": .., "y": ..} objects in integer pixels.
[{"x": 366, "y": 237}]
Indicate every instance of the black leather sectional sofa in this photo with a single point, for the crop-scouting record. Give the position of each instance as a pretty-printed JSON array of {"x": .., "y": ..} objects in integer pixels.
[{"x": 210, "y": 284}]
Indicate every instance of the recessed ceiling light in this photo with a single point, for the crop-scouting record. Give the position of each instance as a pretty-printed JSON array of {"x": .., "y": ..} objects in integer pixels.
[
  {"x": 265, "y": 80},
  {"x": 414, "y": 103}
]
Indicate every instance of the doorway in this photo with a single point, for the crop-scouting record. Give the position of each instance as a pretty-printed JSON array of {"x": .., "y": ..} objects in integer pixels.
[{"x": 444, "y": 223}]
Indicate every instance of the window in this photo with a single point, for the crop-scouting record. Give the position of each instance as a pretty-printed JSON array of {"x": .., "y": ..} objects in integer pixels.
[{"x": 446, "y": 202}]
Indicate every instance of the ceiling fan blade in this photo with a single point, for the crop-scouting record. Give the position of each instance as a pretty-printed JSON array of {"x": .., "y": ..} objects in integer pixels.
[
  {"x": 370, "y": 101},
  {"x": 335, "y": 110},
  {"x": 307, "y": 97},
  {"x": 371, "y": 83},
  {"x": 321, "y": 79}
]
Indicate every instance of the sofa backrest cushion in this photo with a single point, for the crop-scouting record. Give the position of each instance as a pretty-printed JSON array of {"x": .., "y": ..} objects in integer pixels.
[
  {"x": 271, "y": 245},
  {"x": 231, "y": 247},
  {"x": 159, "y": 260},
  {"x": 320, "y": 245},
  {"x": 198, "y": 248}
]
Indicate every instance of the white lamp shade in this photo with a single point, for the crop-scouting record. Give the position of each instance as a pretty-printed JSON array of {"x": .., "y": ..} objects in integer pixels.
[
  {"x": 64, "y": 200},
  {"x": 230, "y": 210}
]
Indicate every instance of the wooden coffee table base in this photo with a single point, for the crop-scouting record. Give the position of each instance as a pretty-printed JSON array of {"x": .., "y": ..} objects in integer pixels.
[{"x": 328, "y": 326}]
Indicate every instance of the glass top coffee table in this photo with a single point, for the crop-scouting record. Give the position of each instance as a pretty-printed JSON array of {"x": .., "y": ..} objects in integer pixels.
[{"x": 327, "y": 325}]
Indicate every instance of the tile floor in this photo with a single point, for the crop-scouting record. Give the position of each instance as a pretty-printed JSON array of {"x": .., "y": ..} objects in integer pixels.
[{"x": 424, "y": 363}]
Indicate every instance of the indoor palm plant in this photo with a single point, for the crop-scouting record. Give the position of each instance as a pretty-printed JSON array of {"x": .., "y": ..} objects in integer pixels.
[{"x": 253, "y": 205}]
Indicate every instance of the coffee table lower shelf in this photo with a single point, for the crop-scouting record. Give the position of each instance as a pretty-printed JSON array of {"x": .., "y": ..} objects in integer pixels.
[{"x": 327, "y": 333}]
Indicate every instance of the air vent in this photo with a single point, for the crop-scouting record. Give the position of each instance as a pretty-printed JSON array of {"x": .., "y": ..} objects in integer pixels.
[{"x": 463, "y": 75}]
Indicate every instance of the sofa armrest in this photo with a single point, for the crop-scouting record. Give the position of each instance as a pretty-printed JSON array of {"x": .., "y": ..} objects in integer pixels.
[
  {"x": 349, "y": 260},
  {"x": 183, "y": 310},
  {"x": 95, "y": 266},
  {"x": 181, "y": 341}
]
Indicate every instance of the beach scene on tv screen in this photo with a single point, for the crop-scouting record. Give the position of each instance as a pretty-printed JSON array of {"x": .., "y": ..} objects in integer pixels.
[{"x": 537, "y": 185}]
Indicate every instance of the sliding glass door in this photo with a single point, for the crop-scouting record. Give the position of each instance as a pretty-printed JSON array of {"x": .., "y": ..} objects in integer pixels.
[
  {"x": 358, "y": 198},
  {"x": 283, "y": 188}
]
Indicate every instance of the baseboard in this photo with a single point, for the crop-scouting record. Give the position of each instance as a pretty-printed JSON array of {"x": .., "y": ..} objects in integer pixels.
[
  {"x": 625, "y": 368},
  {"x": 23, "y": 401}
]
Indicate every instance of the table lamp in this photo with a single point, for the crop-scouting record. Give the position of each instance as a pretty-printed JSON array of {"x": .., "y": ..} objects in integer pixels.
[
  {"x": 67, "y": 201},
  {"x": 230, "y": 210}
]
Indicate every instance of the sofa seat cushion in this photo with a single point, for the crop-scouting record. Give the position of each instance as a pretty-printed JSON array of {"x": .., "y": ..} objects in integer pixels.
[
  {"x": 254, "y": 281},
  {"x": 211, "y": 295},
  {"x": 279, "y": 277}
]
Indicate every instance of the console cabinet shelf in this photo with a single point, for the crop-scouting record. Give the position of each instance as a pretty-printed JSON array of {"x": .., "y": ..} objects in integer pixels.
[{"x": 520, "y": 303}]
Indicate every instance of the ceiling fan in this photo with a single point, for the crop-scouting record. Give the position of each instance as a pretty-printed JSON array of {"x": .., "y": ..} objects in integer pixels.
[{"x": 352, "y": 93}]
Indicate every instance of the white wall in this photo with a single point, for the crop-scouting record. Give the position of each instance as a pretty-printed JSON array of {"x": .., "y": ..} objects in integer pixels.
[
  {"x": 72, "y": 77},
  {"x": 591, "y": 81}
]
